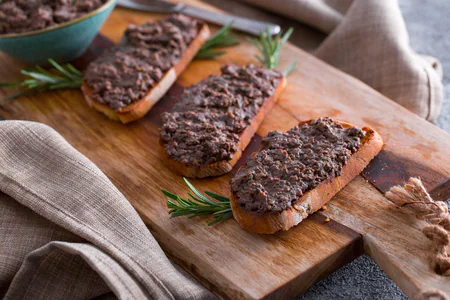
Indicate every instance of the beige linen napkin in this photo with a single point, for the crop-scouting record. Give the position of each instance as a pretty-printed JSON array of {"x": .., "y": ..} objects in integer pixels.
[
  {"x": 368, "y": 39},
  {"x": 67, "y": 233}
]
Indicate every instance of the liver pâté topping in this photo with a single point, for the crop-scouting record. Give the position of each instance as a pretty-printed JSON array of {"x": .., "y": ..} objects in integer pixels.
[
  {"x": 294, "y": 162},
  {"x": 205, "y": 124},
  {"x": 125, "y": 74}
]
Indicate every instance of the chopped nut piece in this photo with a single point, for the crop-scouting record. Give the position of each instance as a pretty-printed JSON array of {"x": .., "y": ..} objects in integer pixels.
[
  {"x": 324, "y": 207},
  {"x": 327, "y": 220}
]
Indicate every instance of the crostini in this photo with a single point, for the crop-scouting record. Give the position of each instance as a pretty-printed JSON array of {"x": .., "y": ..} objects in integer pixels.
[
  {"x": 126, "y": 82},
  {"x": 216, "y": 118},
  {"x": 296, "y": 172}
]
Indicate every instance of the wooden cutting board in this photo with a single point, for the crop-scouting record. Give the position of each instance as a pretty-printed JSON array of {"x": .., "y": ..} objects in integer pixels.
[{"x": 237, "y": 264}]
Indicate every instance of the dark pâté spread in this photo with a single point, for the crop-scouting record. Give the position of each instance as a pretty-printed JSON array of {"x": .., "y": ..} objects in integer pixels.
[
  {"x": 125, "y": 74},
  {"x": 294, "y": 162},
  {"x": 205, "y": 124},
  {"x": 17, "y": 16}
]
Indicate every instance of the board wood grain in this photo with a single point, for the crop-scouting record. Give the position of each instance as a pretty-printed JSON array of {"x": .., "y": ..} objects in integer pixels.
[{"x": 236, "y": 264}]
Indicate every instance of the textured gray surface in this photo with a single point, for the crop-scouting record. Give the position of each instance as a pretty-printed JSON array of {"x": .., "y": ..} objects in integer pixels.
[{"x": 361, "y": 279}]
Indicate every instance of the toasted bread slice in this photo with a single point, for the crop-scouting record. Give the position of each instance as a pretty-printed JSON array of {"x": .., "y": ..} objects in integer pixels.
[
  {"x": 138, "y": 109},
  {"x": 225, "y": 166},
  {"x": 312, "y": 200}
]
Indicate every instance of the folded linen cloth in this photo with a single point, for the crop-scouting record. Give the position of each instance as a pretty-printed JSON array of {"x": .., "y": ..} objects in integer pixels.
[
  {"x": 368, "y": 39},
  {"x": 67, "y": 233}
]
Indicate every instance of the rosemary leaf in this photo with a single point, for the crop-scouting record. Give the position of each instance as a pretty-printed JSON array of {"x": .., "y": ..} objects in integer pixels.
[
  {"x": 220, "y": 212},
  {"x": 74, "y": 71},
  {"x": 221, "y": 218},
  {"x": 170, "y": 195},
  {"x": 64, "y": 85},
  {"x": 199, "y": 205},
  {"x": 35, "y": 84},
  {"x": 200, "y": 195},
  {"x": 42, "y": 70},
  {"x": 219, "y": 36},
  {"x": 61, "y": 69},
  {"x": 231, "y": 41},
  {"x": 15, "y": 95},
  {"x": 39, "y": 79},
  {"x": 217, "y": 197},
  {"x": 289, "y": 69},
  {"x": 222, "y": 38},
  {"x": 270, "y": 48},
  {"x": 209, "y": 54},
  {"x": 9, "y": 84}
]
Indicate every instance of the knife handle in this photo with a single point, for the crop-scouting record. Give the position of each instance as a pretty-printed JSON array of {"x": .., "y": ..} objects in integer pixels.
[{"x": 239, "y": 23}]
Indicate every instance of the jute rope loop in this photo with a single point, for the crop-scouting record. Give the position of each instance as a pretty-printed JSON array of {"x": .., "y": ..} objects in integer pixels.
[{"x": 414, "y": 199}]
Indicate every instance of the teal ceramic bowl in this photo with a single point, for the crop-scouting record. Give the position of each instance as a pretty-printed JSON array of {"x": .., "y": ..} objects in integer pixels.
[{"x": 62, "y": 43}]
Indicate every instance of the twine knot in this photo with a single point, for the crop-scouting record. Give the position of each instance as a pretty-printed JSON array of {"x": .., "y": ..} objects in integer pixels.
[{"x": 414, "y": 198}]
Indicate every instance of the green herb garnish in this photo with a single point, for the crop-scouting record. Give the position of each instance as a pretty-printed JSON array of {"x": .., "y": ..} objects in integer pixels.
[
  {"x": 289, "y": 69},
  {"x": 222, "y": 38},
  {"x": 39, "y": 79},
  {"x": 270, "y": 48},
  {"x": 199, "y": 205}
]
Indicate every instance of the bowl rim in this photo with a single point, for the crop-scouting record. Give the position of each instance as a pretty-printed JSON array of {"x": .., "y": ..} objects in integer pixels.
[{"x": 52, "y": 28}]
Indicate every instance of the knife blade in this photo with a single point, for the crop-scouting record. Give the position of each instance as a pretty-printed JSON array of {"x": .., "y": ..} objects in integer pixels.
[{"x": 239, "y": 23}]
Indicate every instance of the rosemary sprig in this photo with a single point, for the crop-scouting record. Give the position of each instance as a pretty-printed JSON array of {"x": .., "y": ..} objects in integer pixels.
[
  {"x": 199, "y": 205},
  {"x": 39, "y": 79},
  {"x": 222, "y": 38},
  {"x": 270, "y": 48}
]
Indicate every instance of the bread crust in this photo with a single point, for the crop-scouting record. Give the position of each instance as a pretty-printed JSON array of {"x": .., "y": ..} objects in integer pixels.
[
  {"x": 313, "y": 200},
  {"x": 224, "y": 166},
  {"x": 138, "y": 109}
]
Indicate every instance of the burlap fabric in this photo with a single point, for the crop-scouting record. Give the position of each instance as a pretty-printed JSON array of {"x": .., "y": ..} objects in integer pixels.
[{"x": 66, "y": 232}]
